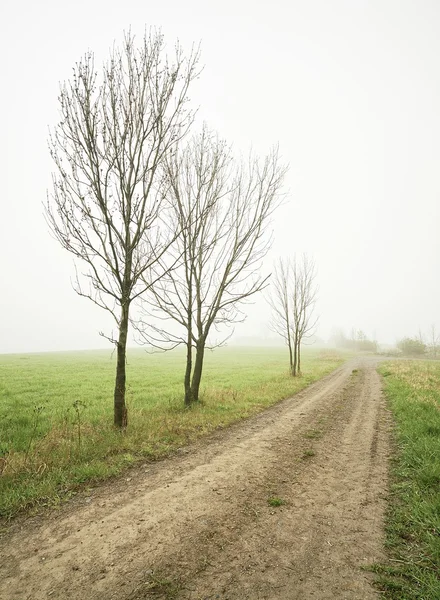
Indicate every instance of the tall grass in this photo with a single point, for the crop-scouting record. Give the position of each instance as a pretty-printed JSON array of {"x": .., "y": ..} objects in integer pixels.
[
  {"x": 56, "y": 412},
  {"x": 413, "y": 522}
]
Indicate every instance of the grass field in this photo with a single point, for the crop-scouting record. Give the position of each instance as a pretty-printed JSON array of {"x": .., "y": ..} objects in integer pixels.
[
  {"x": 56, "y": 412},
  {"x": 413, "y": 521}
]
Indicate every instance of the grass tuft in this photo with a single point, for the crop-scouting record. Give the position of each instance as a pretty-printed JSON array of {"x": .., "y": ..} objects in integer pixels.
[
  {"x": 274, "y": 501},
  {"x": 313, "y": 434}
]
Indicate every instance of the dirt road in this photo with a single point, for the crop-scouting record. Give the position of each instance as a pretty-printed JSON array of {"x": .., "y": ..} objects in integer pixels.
[{"x": 203, "y": 525}]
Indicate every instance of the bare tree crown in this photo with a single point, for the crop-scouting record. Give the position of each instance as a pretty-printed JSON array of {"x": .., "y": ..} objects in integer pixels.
[
  {"x": 222, "y": 209},
  {"x": 292, "y": 299},
  {"x": 114, "y": 132}
]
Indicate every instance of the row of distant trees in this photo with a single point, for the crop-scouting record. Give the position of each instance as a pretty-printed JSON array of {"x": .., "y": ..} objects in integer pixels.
[
  {"x": 172, "y": 225},
  {"x": 421, "y": 345},
  {"x": 356, "y": 341},
  {"x": 417, "y": 346}
]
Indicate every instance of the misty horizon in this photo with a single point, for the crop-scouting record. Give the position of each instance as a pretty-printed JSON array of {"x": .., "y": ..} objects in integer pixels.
[{"x": 349, "y": 91}]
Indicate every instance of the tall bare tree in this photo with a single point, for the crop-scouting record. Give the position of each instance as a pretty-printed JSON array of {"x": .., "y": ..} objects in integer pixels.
[
  {"x": 292, "y": 299},
  {"x": 114, "y": 132},
  {"x": 280, "y": 299},
  {"x": 222, "y": 209}
]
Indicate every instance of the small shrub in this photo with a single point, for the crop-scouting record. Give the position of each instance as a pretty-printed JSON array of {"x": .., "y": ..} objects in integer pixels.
[{"x": 274, "y": 501}]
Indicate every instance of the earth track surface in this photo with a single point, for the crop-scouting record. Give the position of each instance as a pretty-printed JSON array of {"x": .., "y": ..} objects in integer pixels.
[{"x": 203, "y": 525}]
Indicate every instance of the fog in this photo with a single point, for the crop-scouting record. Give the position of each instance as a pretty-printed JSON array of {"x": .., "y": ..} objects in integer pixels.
[{"x": 349, "y": 89}]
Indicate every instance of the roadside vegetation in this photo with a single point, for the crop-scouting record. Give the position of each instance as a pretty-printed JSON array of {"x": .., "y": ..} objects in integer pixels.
[
  {"x": 55, "y": 427},
  {"x": 413, "y": 521},
  {"x": 421, "y": 346}
]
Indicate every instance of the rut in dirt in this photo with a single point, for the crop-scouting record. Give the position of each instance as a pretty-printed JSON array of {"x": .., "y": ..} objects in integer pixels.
[{"x": 204, "y": 525}]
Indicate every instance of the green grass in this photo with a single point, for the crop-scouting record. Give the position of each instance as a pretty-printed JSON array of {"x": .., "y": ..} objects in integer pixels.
[
  {"x": 56, "y": 414},
  {"x": 275, "y": 501},
  {"x": 313, "y": 434},
  {"x": 413, "y": 520}
]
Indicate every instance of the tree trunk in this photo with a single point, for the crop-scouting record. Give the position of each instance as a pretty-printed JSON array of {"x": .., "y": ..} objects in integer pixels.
[
  {"x": 295, "y": 357},
  {"x": 298, "y": 369},
  {"x": 197, "y": 373},
  {"x": 290, "y": 357},
  {"x": 120, "y": 410},
  {"x": 187, "y": 379}
]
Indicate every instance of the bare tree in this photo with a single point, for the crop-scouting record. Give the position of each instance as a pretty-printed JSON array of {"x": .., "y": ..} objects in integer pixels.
[
  {"x": 112, "y": 137},
  {"x": 434, "y": 341},
  {"x": 222, "y": 209},
  {"x": 293, "y": 299},
  {"x": 281, "y": 303},
  {"x": 304, "y": 299}
]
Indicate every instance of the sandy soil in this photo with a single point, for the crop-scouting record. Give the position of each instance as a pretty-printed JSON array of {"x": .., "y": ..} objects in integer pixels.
[{"x": 199, "y": 525}]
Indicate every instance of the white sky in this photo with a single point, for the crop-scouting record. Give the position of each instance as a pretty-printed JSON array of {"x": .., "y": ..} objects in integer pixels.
[{"x": 350, "y": 90}]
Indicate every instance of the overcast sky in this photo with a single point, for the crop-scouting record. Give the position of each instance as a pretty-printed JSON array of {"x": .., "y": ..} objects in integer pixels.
[{"x": 349, "y": 89}]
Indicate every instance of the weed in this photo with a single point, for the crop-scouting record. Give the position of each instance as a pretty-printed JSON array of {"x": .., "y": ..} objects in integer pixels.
[
  {"x": 4, "y": 452},
  {"x": 160, "y": 586},
  {"x": 313, "y": 434},
  {"x": 78, "y": 407},
  {"x": 274, "y": 501},
  {"x": 308, "y": 453},
  {"x": 36, "y": 414}
]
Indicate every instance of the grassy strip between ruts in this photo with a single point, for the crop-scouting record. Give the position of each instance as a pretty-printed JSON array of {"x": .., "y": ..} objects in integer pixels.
[
  {"x": 56, "y": 430},
  {"x": 413, "y": 520}
]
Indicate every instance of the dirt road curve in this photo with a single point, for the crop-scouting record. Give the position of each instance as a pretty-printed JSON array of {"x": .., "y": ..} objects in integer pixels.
[{"x": 199, "y": 525}]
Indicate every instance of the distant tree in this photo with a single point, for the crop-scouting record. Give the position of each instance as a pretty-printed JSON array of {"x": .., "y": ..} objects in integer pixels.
[
  {"x": 281, "y": 302},
  {"x": 338, "y": 338},
  {"x": 293, "y": 299},
  {"x": 107, "y": 198},
  {"x": 434, "y": 342},
  {"x": 360, "y": 336},
  {"x": 367, "y": 345},
  {"x": 305, "y": 292},
  {"x": 412, "y": 346},
  {"x": 222, "y": 209},
  {"x": 353, "y": 338},
  {"x": 363, "y": 344}
]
